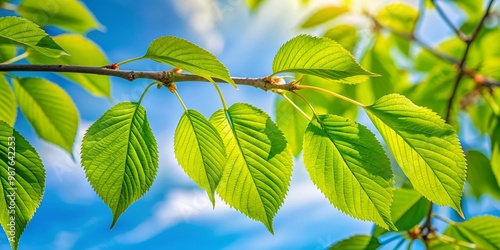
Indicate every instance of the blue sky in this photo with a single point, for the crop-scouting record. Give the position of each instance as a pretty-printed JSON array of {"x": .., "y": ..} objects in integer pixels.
[{"x": 175, "y": 213}]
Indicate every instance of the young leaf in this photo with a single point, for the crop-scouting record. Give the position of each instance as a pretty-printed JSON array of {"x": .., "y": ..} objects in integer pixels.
[
  {"x": 8, "y": 108},
  {"x": 408, "y": 209},
  {"x": 426, "y": 148},
  {"x": 29, "y": 34},
  {"x": 259, "y": 162},
  {"x": 357, "y": 242},
  {"x": 71, "y": 15},
  {"x": 480, "y": 175},
  {"x": 324, "y": 14},
  {"x": 481, "y": 231},
  {"x": 187, "y": 56},
  {"x": 49, "y": 109},
  {"x": 398, "y": 16},
  {"x": 120, "y": 156},
  {"x": 348, "y": 164},
  {"x": 319, "y": 57},
  {"x": 22, "y": 183},
  {"x": 83, "y": 52},
  {"x": 200, "y": 151}
]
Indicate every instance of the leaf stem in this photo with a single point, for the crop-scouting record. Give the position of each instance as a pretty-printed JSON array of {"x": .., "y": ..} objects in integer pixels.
[
  {"x": 16, "y": 58},
  {"x": 180, "y": 100},
  {"x": 263, "y": 83},
  {"x": 220, "y": 95},
  {"x": 297, "y": 107},
  {"x": 458, "y": 242},
  {"x": 129, "y": 60},
  {"x": 145, "y": 91},
  {"x": 443, "y": 219},
  {"x": 308, "y": 104},
  {"x": 347, "y": 99}
]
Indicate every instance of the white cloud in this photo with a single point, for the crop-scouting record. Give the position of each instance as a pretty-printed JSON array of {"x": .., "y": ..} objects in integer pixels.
[
  {"x": 202, "y": 16},
  {"x": 65, "y": 240}
]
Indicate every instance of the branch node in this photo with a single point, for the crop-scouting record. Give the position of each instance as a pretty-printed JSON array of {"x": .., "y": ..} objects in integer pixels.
[{"x": 131, "y": 76}]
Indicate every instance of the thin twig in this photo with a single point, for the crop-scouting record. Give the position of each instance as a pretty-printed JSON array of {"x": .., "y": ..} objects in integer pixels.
[
  {"x": 461, "y": 68},
  {"x": 264, "y": 83},
  {"x": 412, "y": 37},
  {"x": 448, "y": 22}
]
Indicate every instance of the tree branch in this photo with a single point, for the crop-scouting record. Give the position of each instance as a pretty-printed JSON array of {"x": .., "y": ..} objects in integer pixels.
[
  {"x": 461, "y": 65},
  {"x": 448, "y": 22},
  {"x": 412, "y": 37},
  {"x": 165, "y": 77}
]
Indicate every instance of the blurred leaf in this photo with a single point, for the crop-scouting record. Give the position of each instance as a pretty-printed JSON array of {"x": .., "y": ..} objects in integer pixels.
[
  {"x": 357, "y": 242},
  {"x": 120, "y": 156},
  {"x": 488, "y": 43},
  {"x": 473, "y": 8},
  {"x": 71, "y": 15},
  {"x": 407, "y": 210},
  {"x": 83, "y": 52},
  {"x": 254, "y": 4},
  {"x": 345, "y": 35},
  {"x": 23, "y": 182},
  {"x": 7, "y": 51},
  {"x": 347, "y": 163},
  {"x": 480, "y": 175},
  {"x": 25, "y": 32},
  {"x": 259, "y": 162},
  {"x": 188, "y": 56},
  {"x": 379, "y": 60},
  {"x": 425, "y": 147},
  {"x": 482, "y": 231},
  {"x": 453, "y": 47},
  {"x": 495, "y": 149},
  {"x": 319, "y": 57},
  {"x": 8, "y": 107},
  {"x": 200, "y": 151},
  {"x": 398, "y": 16},
  {"x": 324, "y": 14},
  {"x": 490, "y": 66},
  {"x": 49, "y": 109}
]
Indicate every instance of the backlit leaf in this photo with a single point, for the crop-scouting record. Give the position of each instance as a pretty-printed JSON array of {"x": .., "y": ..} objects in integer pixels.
[
  {"x": 345, "y": 35},
  {"x": 7, "y": 51},
  {"x": 120, "y": 156},
  {"x": 188, "y": 56},
  {"x": 348, "y": 164},
  {"x": 49, "y": 109},
  {"x": 425, "y": 147},
  {"x": 259, "y": 162},
  {"x": 398, "y": 16},
  {"x": 357, "y": 242},
  {"x": 482, "y": 231},
  {"x": 22, "y": 182},
  {"x": 319, "y": 57},
  {"x": 8, "y": 107},
  {"x": 25, "y": 32},
  {"x": 200, "y": 151},
  {"x": 324, "y": 14},
  {"x": 83, "y": 52},
  {"x": 71, "y": 15},
  {"x": 495, "y": 149}
]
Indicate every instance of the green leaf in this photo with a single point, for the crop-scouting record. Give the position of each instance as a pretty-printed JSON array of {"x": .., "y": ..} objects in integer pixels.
[
  {"x": 319, "y": 57},
  {"x": 259, "y": 162},
  {"x": 254, "y": 4},
  {"x": 8, "y": 107},
  {"x": 188, "y": 56},
  {"x": 425, "y": 147},
  {"x": 408, "y": 209},
  {"x": 7, "y": 51},
  {"x": 85, "y": 53},
  {"x": 324, "y": 14},
  {"x": 200, "y": 151},
  {"x": 29, "y": 34},
  {"x": 495, "y": 149},
  {"x": 473, "y": 8},
  {"x": 398, "y": 16},
  {"x": 120, "y": 156},
  {"x": 348, "y": 164},
  {"x": 22, "y": 182},
  {"x": 345, "y": 35},
  {"x": 481, "y": 231},
  {"x": 357, "y": 242},
  {"x": 71, "y": 15},
  {"x": 291, "y": 122},
  {"x": 49, "y": 109},
  {"x": 480, "y": 175}
]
